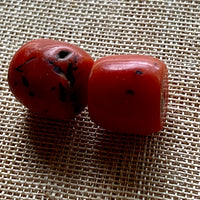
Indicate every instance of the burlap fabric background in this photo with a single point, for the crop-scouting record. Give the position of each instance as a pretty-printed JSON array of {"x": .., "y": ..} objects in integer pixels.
[{"x": 46, "y": 159}]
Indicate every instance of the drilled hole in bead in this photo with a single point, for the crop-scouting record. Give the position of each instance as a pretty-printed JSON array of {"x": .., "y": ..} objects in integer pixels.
[{"x": 63, "y": 54}]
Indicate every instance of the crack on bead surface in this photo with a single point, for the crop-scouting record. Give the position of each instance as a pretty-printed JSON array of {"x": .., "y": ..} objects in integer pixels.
[
  {"x": 26, "y": 62},
  {"x": 77, "y": 108},
  {"x": 69, "y": 75},
  {"x": 66, "y": 75},
  {"x": 63, "y": 93},
  {"x": 73, "y": 97},
  {"x": 58, "y": 70}
]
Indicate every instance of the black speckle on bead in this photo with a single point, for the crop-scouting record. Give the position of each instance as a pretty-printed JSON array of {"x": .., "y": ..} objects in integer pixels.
[
  {"x": 31, "y": 94},
  {"x": 76, "y": 59},
  {"x": 53, "y": 88},
  {"x": 25, "y": 81},
  {"x": 63, "y": 54},
  {"x": 155, "y": 64},
  {"x": 139, "y": 72},
  {"x": 15, "y": 83},
  {"x": 51, "y": 62},
  {"x": 130, "y": 92},
  {"x": 77, "y": 109},
  {"x": 73, "y": 97},
  {"x": 63, "y": 93}
]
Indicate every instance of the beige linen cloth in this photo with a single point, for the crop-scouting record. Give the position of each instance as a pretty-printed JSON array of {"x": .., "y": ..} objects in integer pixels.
[{"x": 49, "y": 159}]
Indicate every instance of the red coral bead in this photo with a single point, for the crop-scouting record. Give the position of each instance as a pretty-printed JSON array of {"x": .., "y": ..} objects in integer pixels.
[
  {"x": 51, "y": 77},
  {"x": 128, "y": 93}
]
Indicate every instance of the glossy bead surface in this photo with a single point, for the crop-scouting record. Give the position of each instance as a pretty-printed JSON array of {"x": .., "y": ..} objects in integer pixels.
[
  {"x": 128, "y": 93},
  {"x": 51, "y": 77}
]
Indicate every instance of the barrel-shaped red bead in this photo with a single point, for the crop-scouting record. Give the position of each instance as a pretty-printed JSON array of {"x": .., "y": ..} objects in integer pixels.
[{"x": 128, "y": 93}]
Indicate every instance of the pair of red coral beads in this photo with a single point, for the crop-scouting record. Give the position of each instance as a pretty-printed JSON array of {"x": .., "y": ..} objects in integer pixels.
[{"x": 124, "y": 93}]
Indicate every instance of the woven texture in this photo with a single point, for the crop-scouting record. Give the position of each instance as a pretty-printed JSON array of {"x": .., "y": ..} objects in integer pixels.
[{"x": 48, "y": 159}]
